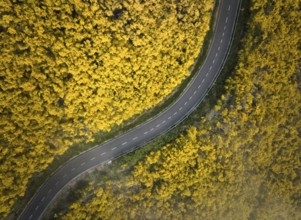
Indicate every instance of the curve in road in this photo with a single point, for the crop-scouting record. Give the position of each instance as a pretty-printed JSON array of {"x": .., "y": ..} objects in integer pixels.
[{"x": 183, "y": 106}]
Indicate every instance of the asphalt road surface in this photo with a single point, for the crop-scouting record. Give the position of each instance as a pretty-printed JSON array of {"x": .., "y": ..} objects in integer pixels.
[{"x": 138, "y": 136}]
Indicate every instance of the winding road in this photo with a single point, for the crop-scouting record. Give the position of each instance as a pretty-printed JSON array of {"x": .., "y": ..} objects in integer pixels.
[{"x": 138, "y": 136}]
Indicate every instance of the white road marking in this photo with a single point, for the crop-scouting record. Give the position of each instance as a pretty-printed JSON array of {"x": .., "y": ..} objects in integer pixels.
[
  {"x": 221, "y": 41},
  {"x": 151, "y": 129},
  {"x": 203, "y": 80},
  {"x": 124, "y": 143},
  {"x": 163, "y": 122},
  {"x": 30, "y": 216},
  {"x": 206, "y": 74},
  {"x": 190, "y": 97},
  {"x": 146, "y": 132},
  {"x": 103, "y": 153},
  {"x": 219, "y": 47},
  {"x": 169, "y": 117},
  {"x": 180, "y": 109},
  {"x": 185, "y": 103},
  {"x": 216, "y": 55},
  {"x": 114, "y": 148},
  {"x": 175, "y": 113},
  {"x": 225, "y": 27},
  {"x": 199, "y": 86},
  {"x": 137, "y": 137},
  {"x": 82, "y": 164},
  {"x": 43, "y": 199},
  {"x": 223, "y": 33},
  {"x": 158, "y": 125},
  {"x": 194, "y": 92},
  {"x": 213, "y": 61}
]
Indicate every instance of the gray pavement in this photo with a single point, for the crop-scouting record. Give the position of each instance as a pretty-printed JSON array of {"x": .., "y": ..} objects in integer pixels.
[{"x": 138, "y": 136}]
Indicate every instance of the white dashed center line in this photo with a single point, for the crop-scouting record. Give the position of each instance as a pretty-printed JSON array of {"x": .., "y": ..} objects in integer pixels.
[
  {"x": 219, "y": 47},
  {"x": 175, "y": 113},
  {"x": 225, "y": 27},
  {"x": 210, "y": 68},
  {"x": 114, "y": 148},
  {"x": 223, "y": 33}
]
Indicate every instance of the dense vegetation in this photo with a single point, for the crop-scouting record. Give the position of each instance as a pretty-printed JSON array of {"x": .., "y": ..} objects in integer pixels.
[
  {"x": 71, "y": 68},
  {"x": 243, "y": 159}
]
